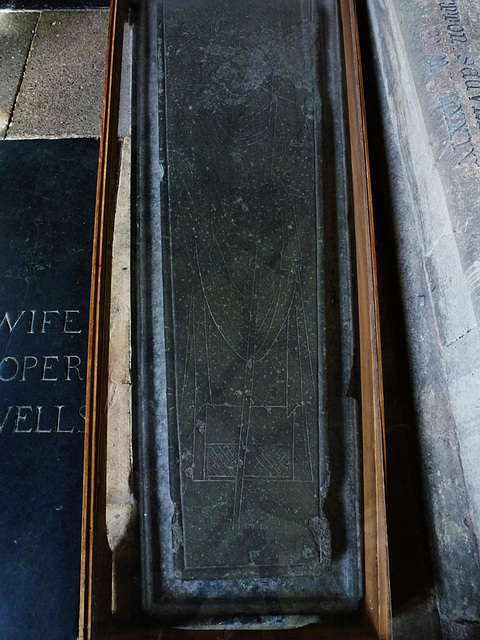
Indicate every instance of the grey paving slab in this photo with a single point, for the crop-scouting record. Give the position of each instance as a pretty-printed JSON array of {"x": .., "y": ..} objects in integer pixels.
[
  {"x": 62, "y": 90},
  {"x": 29, "y": 5},
  {"x": 16, "y": 33}
]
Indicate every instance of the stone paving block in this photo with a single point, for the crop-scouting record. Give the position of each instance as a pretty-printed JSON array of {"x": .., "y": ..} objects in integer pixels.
[
  {"x": 30, "y": 5},
  {"x": 62, "y": 90},
  {"x": 16, "y": 33}
]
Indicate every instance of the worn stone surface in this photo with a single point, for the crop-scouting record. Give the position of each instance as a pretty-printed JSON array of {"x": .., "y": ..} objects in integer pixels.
[
  {"x": 16, "y": 33},
  {"x": 119, "y": 403},
  {"x": 120, "y": 499},
  {"x": 419, "y": 624},
  {"x": 461, "y": 630},
  {"x": 444, "y": 56},
  {"x": 224, "y": 243},
  {"x": 41, "y": 5},
  {"x": 263, "y": 503},
  {"x": 427, "y": 58},
  {"x": 62, "y": 91}
]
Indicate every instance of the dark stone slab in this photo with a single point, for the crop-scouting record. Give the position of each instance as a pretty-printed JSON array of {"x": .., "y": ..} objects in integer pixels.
[
  {"x": 47, "y": 196},
  {"x": 263, "y": 503}
]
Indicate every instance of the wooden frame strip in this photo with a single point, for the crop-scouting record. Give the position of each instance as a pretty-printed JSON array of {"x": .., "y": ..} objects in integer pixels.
[
  {"x": 377, "y": 584},
  {"x": 93, "y": 551}
]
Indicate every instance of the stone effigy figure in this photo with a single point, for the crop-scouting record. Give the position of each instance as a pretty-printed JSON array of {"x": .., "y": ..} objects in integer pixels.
[{"x": 243, "y": 237}]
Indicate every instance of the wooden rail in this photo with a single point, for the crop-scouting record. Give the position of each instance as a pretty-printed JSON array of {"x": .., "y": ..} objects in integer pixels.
[
  {"x": 95, "y": 558},
  {"x": 377, "y": 583}
]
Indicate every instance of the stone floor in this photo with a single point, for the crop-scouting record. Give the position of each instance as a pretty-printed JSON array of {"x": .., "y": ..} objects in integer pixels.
[
  {"x": 52, "y": 62},
  {"x": 39, "y": 5}
]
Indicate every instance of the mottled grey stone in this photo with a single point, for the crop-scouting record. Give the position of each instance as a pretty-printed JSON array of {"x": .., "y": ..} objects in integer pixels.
[
  {"x": 463, "y": 630},
  {"x": 449, "y": 511},
  {"x": 62, "y": 90},
  {"x": 245, "y": 406},
  {"x": 423, "y": 624},
  {"x": 427, "y": 62},
  {"x": 16, "y": 33}
]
